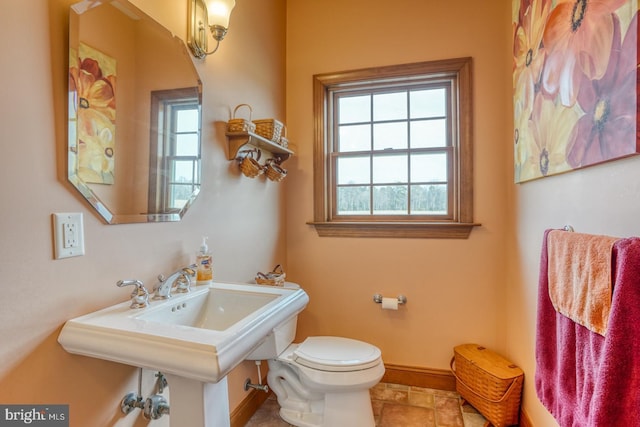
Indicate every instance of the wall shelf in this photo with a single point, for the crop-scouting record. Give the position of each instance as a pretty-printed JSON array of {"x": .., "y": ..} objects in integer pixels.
[{"x": 237, "y": 140}]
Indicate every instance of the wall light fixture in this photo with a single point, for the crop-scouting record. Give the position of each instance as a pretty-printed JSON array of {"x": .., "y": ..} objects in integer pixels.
[{"x": 213, "y": 14}]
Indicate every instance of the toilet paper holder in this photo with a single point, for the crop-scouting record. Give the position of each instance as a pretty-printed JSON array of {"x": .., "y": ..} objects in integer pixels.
[{"x": 377, "y": 298}]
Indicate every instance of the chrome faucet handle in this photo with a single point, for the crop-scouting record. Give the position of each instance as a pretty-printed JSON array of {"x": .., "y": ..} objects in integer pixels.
[
  {"x": 183, "y": 283},
  {"x": 190, "y": 270},
  {"x": 184, "y": 280},
  {"x": 181, "y": 279},
  {"x": 139, "y": 296}
]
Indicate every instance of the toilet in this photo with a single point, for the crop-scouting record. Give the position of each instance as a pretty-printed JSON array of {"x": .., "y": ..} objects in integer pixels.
[{"x": 322, "y": 381}]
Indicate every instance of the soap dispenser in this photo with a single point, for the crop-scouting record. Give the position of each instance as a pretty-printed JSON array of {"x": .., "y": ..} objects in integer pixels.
[{"x": 204, "y": 261}]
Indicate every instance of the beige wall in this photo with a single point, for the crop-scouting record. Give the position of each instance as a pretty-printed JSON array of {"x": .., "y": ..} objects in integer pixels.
[
  {"x": 244, "y": 218},
  {"x": 455, "y": 288},
  {"x": 601, "y": 199},
  {"x": 480, "y": 290}
]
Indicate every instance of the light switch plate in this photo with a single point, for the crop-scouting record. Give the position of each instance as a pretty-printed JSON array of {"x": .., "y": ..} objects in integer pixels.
[{"x": 68, "y": 235}]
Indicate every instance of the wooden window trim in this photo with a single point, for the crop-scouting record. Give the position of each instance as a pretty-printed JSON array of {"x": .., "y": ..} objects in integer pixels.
[{"x": 463, "y": 223}]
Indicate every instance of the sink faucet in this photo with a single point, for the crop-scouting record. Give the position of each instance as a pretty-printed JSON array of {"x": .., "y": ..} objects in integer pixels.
[
  {"x": 180, "y": 278},
  {"x": 139, "y": 296}
]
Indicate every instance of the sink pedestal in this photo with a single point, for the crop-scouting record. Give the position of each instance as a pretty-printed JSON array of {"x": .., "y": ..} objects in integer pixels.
[{"x": 198, "y": 404}]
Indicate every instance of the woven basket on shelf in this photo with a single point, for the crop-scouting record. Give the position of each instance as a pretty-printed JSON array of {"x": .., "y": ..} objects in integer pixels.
[
  {"x": 273, "y": 278},
  {"x": 283, "y": 138},
  {"x": 237, "y": 124},
  {"x": 270, "y": 129},
  {"x": 490, "y": 383}
]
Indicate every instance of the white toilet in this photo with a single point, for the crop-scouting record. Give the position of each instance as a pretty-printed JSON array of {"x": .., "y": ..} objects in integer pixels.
[{"x": 323, "y": 381}]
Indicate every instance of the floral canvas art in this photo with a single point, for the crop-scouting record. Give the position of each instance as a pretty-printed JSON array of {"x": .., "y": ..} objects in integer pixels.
[
  {"x": 92, "y": 84},
  {"x": 575, "y": 67}
]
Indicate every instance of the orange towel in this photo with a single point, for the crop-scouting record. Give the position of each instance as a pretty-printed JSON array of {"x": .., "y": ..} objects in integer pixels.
[{"x": 580, "y": 277}]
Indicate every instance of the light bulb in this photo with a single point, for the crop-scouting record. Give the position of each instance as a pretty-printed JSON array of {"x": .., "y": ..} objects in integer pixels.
[{"x": 220, "y": 11}]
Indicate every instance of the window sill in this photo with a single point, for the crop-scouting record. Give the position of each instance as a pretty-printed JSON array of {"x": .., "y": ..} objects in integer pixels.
[{"x": 422, "y": 230}]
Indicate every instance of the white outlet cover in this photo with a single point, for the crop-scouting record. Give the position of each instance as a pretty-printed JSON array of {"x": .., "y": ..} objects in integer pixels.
[{"x": 74, "y": 247}]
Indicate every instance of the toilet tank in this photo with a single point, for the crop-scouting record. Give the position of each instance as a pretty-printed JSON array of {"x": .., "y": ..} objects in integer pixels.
[{"x": 277, "y": 341}]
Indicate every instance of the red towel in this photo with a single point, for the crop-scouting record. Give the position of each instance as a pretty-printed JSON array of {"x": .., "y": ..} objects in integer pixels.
[{"x": 583, "y": 378}]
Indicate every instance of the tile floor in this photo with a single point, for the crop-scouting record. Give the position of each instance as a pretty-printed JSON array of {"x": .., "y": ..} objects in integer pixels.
[{"x": 394, "y": 406}]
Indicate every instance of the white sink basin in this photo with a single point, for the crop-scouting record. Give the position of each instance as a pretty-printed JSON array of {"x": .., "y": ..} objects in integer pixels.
[{"x": 200, "y": 335}]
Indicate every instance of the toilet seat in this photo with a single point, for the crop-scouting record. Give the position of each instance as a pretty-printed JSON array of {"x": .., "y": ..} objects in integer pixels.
[{"x": 336, "y": 354}]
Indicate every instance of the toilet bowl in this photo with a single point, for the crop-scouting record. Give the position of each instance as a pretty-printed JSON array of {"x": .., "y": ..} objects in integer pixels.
[{"x": 325, "y": 381}]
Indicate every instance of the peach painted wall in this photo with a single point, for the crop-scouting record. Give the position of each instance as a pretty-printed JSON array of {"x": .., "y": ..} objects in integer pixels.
[
  {"x": 455, "y": 288},
  {"x": 244, "y": 218},
  {"x": 599, "y": 200},
  {"x": 481, "y": 290}
]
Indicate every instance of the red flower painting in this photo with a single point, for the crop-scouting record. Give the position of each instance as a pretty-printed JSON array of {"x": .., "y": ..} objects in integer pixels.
[{"x": 574, "y": 84}]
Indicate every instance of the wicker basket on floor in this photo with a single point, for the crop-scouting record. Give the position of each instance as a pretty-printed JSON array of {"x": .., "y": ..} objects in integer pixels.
[
  {"x": 490, "y": 383},
  {"x": 270, "y": 129}
]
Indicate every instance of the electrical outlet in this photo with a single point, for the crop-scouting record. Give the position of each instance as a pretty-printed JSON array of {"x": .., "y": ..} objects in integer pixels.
[{"x": 68, "y": 235}]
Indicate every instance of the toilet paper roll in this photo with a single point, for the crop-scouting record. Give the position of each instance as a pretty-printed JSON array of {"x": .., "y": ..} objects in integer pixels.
[{"x": 389, "y": 303}]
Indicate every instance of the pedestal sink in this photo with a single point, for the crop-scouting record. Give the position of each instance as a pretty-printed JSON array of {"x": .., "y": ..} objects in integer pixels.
[{"x": 195, "y": 339}]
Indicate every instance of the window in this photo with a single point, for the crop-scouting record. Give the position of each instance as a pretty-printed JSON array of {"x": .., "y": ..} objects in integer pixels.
[
  {"x": 394, "y": 151},
  {"x": 176, "y": 151}
]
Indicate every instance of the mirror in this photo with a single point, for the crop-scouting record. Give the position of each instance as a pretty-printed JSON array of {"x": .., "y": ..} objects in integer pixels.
[{"x": 134, "y": 114}]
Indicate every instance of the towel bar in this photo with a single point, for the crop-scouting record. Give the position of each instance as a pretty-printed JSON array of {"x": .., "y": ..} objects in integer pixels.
[{"x": 568, "y": 228}]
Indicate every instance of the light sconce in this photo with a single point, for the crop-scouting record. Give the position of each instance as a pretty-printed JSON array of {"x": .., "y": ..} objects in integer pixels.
[{"x": 214, "y": 15}]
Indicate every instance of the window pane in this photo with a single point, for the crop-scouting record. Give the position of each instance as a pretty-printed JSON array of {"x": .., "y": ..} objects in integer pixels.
[
  {"x": 187, "y": 120},
  {"x": 429, "y": 199},
  {"x": 390, "y": 169},
  {"x": 180, "y": 194},
  {"x": 353, "y": 170},
  {"x": 354, "y": 138},
  {"x": 354, "y": 200},
  {"x": 390, "y": 200},
  {"x": 390, "y": 135},
  {"x": 182, "y": 171},
  {"x": 187, "y": 144},
  {"x": 429, "y": 133},
  {"x": 354, "y": 109},
  {"x": 429, "y": 167},
  {"x": 428, "y": 103},
  {"x": 390, "y": 106}
]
